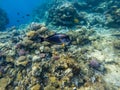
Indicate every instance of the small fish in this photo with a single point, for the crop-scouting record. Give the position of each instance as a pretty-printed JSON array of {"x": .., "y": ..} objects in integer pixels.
[
  {"x": 61, "y": 39},
  {"x": 18, "y": 21},
  {"x": 22, "y": 17},
  {"x": 18, "y": 13},
  {"x": 27, "y": 14}
]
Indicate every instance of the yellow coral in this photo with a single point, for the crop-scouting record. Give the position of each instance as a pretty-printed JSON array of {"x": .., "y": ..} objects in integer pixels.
[
  {"x": 49, "y": 87},
  {"x": 9, "y": 59},
  {"x": 4, "y": 82},
  {"x": 53, "y": 79},
  {"x": 36, "y": 87},
  {"x": 76, "y": 20},
  {"x": 22, "y": 60},
  {"x": 19, "y": 76},
  {"x": 31, "y": 33}
]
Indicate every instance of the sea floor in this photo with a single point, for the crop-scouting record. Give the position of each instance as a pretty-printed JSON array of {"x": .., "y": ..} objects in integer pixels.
[{"x": 90, "y": 62}]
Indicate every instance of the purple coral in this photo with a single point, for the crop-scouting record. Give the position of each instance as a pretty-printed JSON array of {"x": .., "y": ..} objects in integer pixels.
[
  {"x": 56, "y": 57},
  {"x": 42, "y": 55},
  {"x": 19, "y": 46},
  {"x": 94, "y": 64},
  {"x": 21, "y": 52}
]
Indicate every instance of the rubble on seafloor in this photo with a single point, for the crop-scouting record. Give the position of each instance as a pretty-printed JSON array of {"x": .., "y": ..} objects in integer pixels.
[{"x": 28, "y": 64}]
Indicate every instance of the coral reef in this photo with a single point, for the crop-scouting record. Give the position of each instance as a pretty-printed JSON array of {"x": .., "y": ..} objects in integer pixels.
[
  {"x": 63, "y": 14},
  {"x": 111, "y": 10},
  {"x": 42, "y": 65},
  {"x": 113, "y": 15},
  {"x": 90, "y": 61},
  {"x": 4, "y": 82}
]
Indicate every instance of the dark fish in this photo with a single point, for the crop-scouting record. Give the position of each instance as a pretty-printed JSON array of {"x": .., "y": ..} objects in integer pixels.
[
  {"x": 18, "y": 20},
  {"x": 61, "y": 39},
  {"x": 18, "y": 13},
  {"x": 27, "y": 14},
  {"x": 23, "y": 17}
]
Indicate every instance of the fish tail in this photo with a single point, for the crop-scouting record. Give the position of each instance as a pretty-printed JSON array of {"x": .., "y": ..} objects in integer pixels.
[{"x": 42, "y": 39}]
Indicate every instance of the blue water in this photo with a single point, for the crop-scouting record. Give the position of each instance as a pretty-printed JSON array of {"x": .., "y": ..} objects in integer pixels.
[{"x": 17, "y": 10}]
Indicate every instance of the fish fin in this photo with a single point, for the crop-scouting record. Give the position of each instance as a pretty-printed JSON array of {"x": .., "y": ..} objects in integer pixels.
[{"x": 42, "y": 39}]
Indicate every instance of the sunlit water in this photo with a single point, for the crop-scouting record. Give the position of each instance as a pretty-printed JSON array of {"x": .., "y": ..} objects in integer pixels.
[{"x": 18, "y": 10}]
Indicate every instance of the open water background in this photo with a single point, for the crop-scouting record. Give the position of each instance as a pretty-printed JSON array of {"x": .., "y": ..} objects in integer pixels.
[{"x": 23, "y": 7}]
